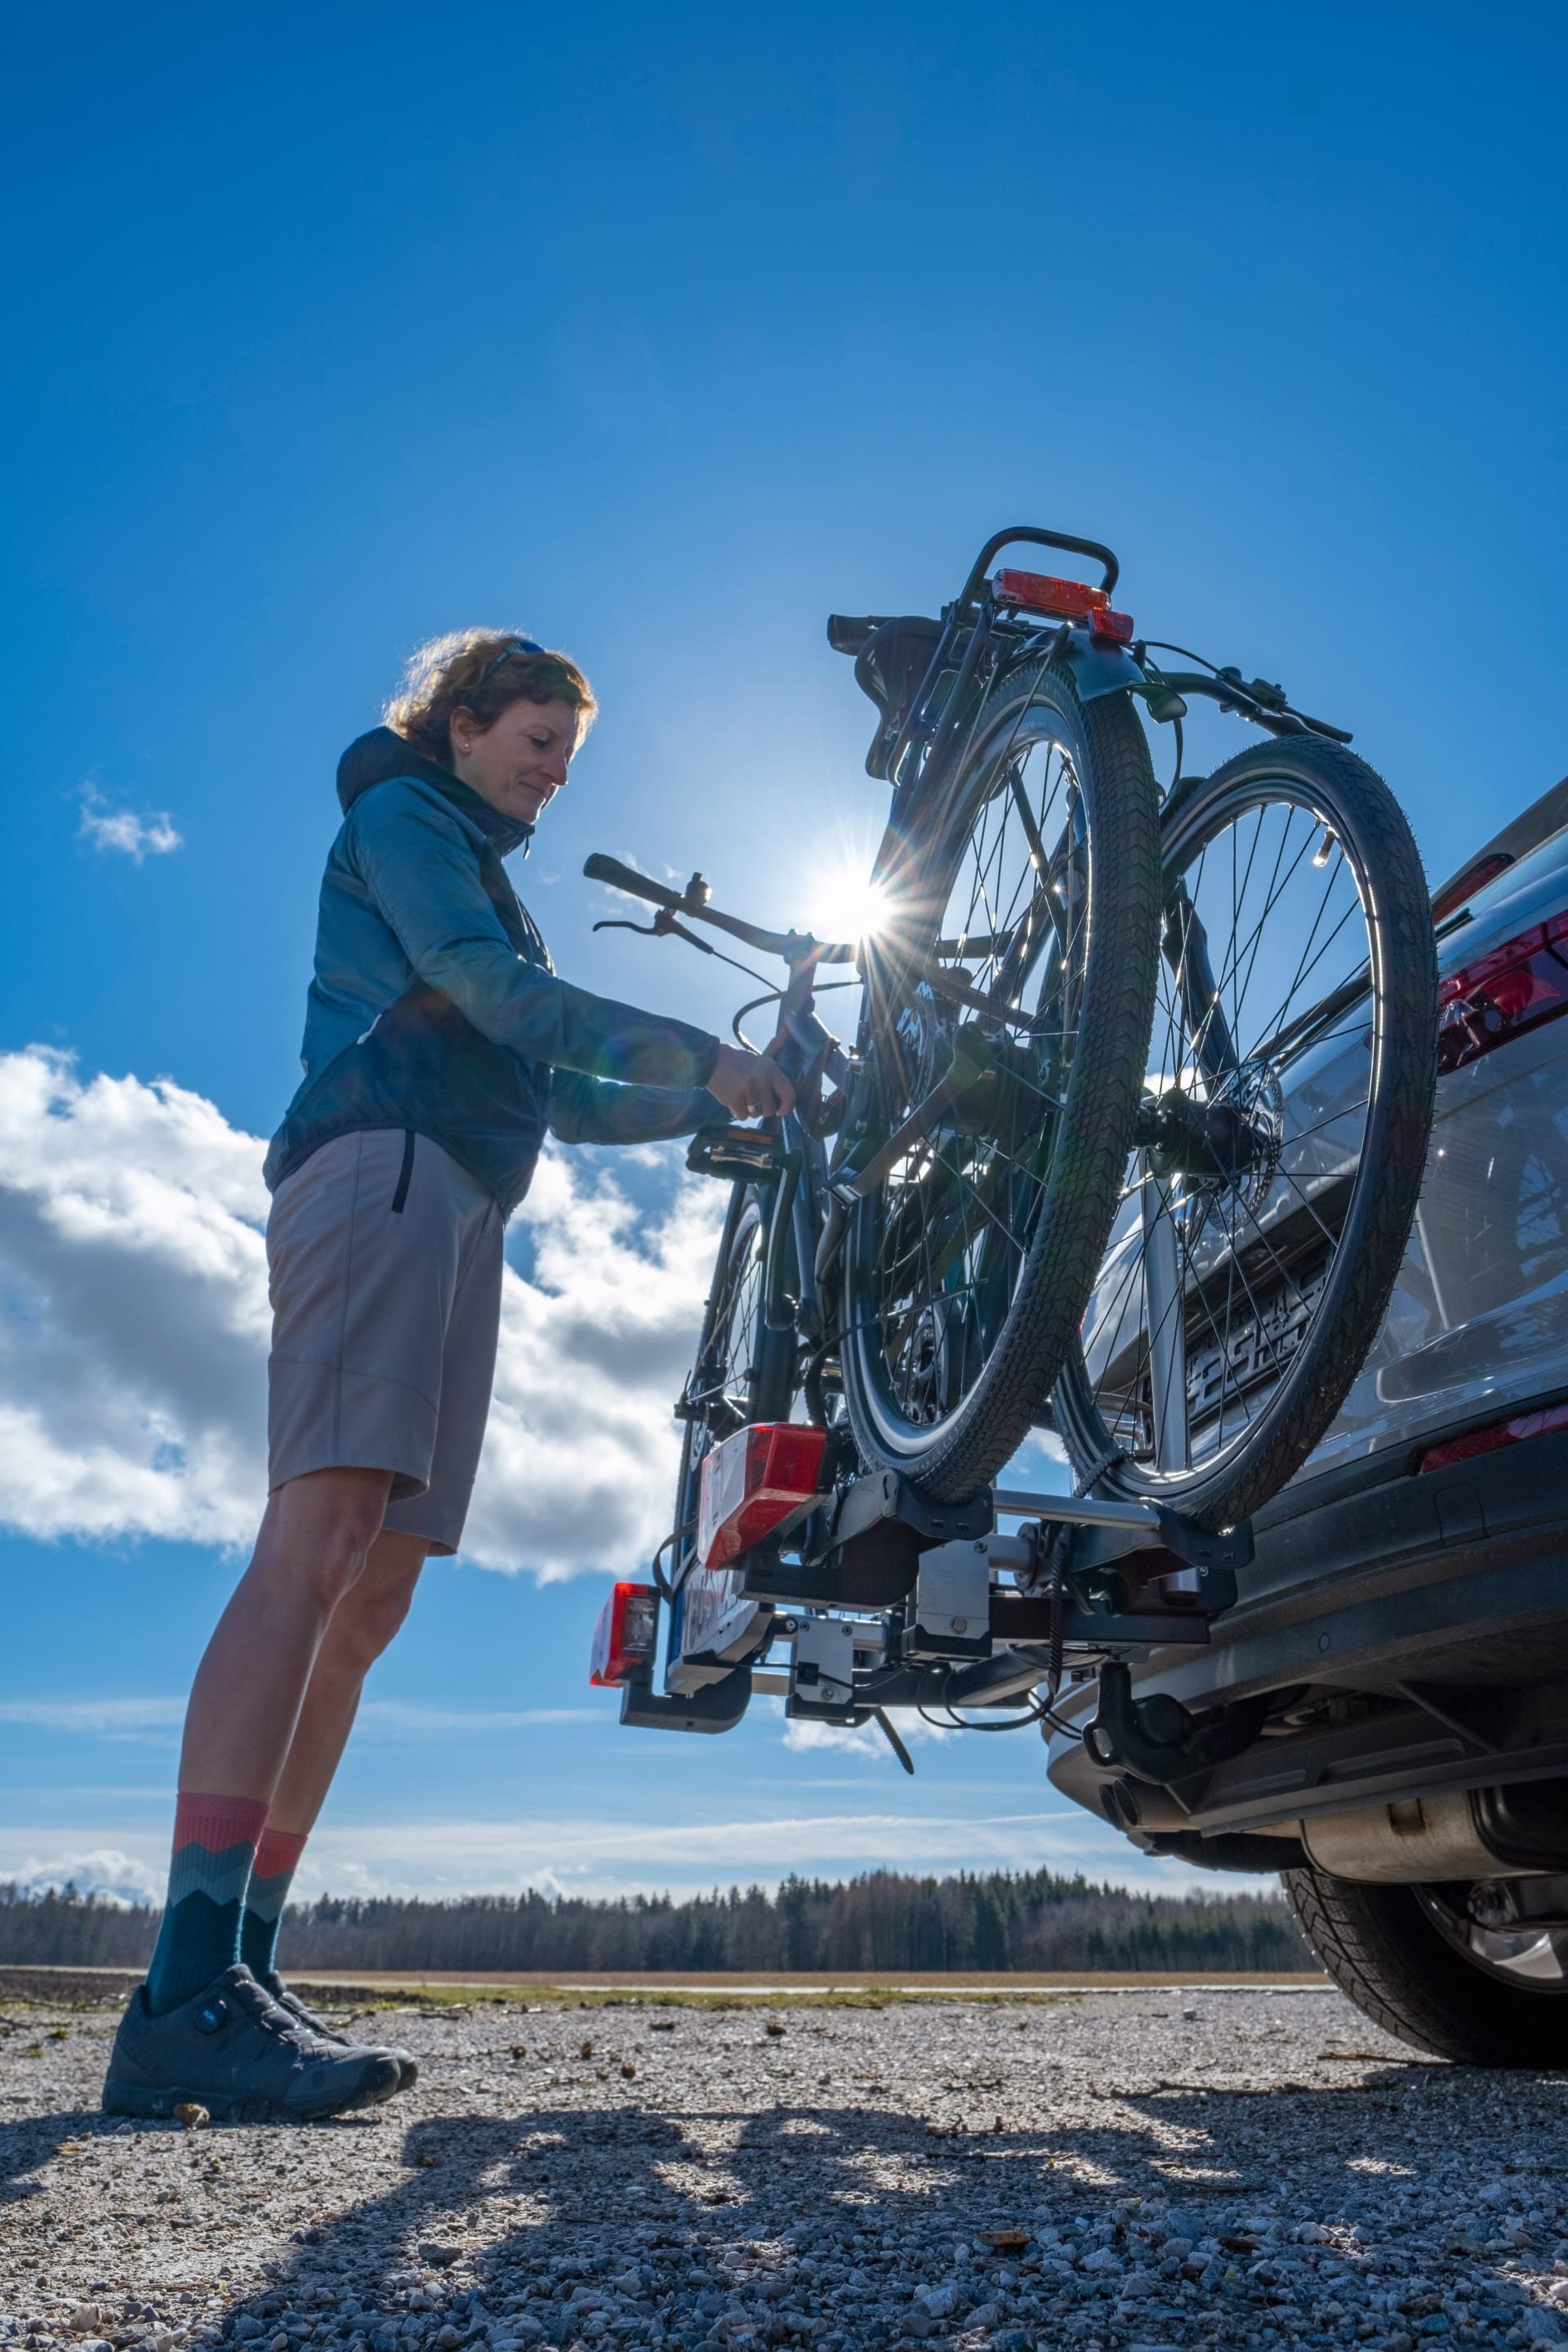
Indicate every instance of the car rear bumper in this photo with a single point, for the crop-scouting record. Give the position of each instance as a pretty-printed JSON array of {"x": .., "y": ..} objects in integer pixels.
[{"x": 1431, "y": 1613}]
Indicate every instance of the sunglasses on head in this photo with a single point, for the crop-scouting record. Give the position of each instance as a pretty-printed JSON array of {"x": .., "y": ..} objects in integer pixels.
[{"x": 516, "y": 645}]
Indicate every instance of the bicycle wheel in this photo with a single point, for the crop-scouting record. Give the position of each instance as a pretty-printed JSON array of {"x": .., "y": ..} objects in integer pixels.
[
  {"x": 1286, "y": 1119},
  {"x": 744, "y": 1371},
  {"x": 1017, "y": 974}
]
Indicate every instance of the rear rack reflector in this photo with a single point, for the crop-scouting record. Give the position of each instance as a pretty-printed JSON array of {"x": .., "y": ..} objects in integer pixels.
[
  {"x": 754, "y": 1483},
  {"x": 1501, "y": 995},
  {"x": 625, "y": 1637},
  {"x": 1497, "y": 1435},
  {"x": 1065, "y": 600}
]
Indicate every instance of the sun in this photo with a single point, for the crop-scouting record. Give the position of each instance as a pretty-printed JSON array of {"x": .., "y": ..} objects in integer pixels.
[{"x": 845, "y": 904}]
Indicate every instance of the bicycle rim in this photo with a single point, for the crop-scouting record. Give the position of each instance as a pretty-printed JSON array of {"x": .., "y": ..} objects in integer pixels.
[
  {"x": 1287, "y": 1108},
  {"x": 1024, "y": 946}
]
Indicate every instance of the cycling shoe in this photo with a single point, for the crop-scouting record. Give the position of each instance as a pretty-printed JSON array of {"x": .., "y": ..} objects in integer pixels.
[
  {"x": 407, "y": 2063},
  {"x": 233, "y": 2050}
]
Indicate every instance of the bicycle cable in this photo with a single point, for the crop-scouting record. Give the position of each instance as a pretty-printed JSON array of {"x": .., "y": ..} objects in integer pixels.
[
  {"x": 659, "y": 1577},
  {"x": 1162, "y": 645},
  {"x": 776, "y": 996}
]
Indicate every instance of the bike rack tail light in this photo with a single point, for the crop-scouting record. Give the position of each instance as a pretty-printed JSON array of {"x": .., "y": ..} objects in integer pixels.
[
  {"x": 756, "y": 1482},
  {"x": 1064, "y": 600},
  {"x": 625, "y": 1637},
  {"x": 1510, "y": 989}
]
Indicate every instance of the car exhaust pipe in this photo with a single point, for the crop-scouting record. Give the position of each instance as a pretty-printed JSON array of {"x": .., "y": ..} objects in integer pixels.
[{"x": 1512, "y": 1833}]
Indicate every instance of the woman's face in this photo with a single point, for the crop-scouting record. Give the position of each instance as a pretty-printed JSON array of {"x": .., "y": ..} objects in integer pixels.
[{"x": 518, "y": 764}]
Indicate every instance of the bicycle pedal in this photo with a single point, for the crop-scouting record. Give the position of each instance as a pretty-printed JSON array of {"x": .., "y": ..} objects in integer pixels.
[{"x": 733, "y": 1153}]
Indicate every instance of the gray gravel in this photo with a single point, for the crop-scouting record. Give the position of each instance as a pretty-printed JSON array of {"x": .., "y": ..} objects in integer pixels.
[{"x": 1234, "y": 2168}]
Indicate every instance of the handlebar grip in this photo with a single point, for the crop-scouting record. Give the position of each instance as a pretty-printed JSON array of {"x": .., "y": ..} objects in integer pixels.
[
  {"x": 847, "y": 633},
  {"x": 600, "y": 869}
]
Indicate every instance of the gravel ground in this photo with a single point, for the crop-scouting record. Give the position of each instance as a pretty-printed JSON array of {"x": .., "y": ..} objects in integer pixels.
[{"x": 1131, "y": 2170}]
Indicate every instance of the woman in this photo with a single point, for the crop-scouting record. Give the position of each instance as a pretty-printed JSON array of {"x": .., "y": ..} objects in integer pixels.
[{"x": 439, "y": 1046}]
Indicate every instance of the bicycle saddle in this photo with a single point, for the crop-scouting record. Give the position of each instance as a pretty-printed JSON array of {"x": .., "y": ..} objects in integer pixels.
[{"x": 891, "y": 658}]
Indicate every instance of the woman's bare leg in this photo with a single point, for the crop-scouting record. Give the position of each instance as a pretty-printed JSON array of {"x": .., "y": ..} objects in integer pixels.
[
  {"x": 364, "y": 1623},
  {"x": 244, "y": 1703}
]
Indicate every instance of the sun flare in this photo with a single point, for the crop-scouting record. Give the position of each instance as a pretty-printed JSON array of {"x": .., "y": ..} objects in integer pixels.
[{"x": 845, "y": 904}]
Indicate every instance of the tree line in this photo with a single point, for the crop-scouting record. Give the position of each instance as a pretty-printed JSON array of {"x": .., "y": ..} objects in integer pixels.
[{"x": 883, "y": 1920}]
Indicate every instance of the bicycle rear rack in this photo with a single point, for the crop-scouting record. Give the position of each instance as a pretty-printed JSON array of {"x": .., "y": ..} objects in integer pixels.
[{"x": 886, "y": 1597}]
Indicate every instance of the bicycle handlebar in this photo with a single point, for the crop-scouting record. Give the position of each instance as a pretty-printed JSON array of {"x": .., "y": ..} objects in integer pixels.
[
  {"x": 600, "y": 869},
  {"x": 793, "y": 947}
]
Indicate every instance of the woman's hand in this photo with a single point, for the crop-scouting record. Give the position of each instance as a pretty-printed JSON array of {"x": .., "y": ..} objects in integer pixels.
[{"x": 749, "y": 1086}]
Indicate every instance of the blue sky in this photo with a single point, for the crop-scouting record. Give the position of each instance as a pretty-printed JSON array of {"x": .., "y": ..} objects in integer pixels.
[{"x": 659, "y": 333}]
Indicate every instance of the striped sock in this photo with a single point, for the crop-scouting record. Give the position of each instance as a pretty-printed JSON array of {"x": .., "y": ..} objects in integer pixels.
[
  {"x": 277, "y": 1860},
  {"x": 214, "y": 1845}
]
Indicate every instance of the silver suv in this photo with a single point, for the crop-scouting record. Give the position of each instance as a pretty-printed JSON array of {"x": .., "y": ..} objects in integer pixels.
[{"x": 1389, "y": 1697}]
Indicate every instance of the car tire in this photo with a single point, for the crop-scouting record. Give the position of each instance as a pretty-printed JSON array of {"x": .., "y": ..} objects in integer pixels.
[{"x": 1384, "y": 1949}]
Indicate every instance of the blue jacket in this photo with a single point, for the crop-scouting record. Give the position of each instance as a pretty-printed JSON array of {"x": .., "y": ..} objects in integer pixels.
[{"x": 434, "y": 1005}]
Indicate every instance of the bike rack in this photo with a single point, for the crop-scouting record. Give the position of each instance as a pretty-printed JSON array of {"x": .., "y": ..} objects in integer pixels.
[{"x": 891, "y": 1581}]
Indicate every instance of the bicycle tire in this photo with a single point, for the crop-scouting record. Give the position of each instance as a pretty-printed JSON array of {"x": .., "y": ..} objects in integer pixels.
[
  {"x": 721, "y": 1395},
  {"x": 1103, "y": 743},
  {"x": 1366, "y": 828}
]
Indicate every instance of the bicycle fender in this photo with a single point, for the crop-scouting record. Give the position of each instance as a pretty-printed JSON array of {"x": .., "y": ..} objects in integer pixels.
[{"x": 1098, "y": 666}]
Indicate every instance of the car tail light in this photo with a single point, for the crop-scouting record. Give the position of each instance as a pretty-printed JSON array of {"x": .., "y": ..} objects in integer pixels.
[
  {"x": 625, "y": 1637},
  {"x": 1496, "y": 1433},
  {"x": 1464, "y": 886},
  {"x": 754, "y": 1483},
  {"x": 1502, "y": 994}
]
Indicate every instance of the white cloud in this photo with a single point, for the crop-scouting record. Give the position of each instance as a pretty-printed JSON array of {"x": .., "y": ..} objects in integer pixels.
[
  {"x": 867, "y": 1740},
  {"x": 134, "y": 1327},
  {"x": 99, "y": 1870},
  {"x": 95, "y": 1719},
  {"x": 393, "y": 1717},
  {"x": 150, "y": 834}
]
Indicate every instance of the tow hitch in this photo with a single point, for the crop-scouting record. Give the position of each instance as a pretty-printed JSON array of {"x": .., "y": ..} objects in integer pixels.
[{"x": 851, "y": 1598}]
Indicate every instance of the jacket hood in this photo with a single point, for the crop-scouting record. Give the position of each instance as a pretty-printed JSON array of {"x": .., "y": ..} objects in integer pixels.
[{"x": 376, "y": 758}]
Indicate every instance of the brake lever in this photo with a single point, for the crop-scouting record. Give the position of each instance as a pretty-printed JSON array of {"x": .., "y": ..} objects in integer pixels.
[{"x": 663, "y": 927}]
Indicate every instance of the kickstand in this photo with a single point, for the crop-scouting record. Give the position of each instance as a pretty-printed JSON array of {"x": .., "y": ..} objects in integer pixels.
[{"x": 879, "y": 1716}]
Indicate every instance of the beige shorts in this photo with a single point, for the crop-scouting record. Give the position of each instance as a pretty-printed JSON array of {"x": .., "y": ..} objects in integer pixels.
[{"x": 385, "y": 1269}]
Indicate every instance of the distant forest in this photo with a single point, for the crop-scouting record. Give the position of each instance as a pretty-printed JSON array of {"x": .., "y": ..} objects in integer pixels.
[{"x": 1000, "y": 1919}]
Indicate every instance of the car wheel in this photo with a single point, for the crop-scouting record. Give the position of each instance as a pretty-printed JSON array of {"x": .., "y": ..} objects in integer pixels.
[{"x": 1415, "y": 1961}]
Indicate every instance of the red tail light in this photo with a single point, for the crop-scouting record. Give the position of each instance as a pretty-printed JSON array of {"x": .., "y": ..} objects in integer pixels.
[
  {"x": 625, "y": 1637},
  {"x": 752, "y": 1483},
  {"x": 1070, "y": 600},
  {"x": 1502, "y": 994},
  {"x": 1065, "y": 600},
  {"x": 1114, "y": 624},
  {"x": 1498, "y": 1433}
]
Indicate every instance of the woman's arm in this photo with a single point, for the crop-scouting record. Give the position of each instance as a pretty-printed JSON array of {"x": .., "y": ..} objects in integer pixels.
[
  {"x": 419, "y": 868},
  {"x": 589, "y": 1110}
]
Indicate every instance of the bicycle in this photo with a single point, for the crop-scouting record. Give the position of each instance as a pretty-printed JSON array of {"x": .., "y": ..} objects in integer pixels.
[{"x": 1005, "y": 1211}]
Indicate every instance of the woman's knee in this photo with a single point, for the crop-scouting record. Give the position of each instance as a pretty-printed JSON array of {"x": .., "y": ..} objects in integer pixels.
[
  {"x": 371, "y": 1613},
  {"x": 363, "y": 1629},
  {"x": 320, "y": 1530}
]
